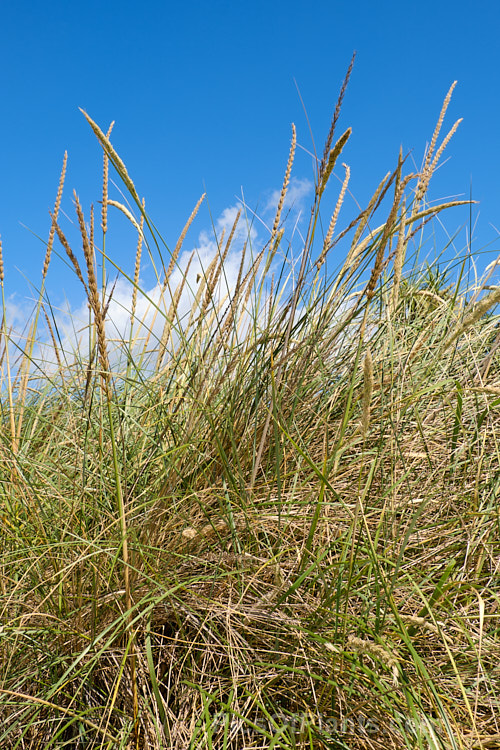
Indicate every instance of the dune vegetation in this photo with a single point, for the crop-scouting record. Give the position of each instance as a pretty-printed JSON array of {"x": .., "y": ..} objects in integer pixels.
[{"x": 270, "y": 521}]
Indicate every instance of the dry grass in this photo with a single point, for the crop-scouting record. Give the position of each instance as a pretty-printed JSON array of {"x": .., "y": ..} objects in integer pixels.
[{"x": 273, "y": 524}]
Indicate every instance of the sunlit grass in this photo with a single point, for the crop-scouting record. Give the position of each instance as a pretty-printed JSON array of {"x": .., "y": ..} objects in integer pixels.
[{"x": 266, "y": 514}]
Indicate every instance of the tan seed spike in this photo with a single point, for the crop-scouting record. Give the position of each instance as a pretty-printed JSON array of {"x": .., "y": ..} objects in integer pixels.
[
  {"x": 399, "y": 168},
  {"x": 251, "y": 276},
  {"x": 104, "y": 209},
  {"x": 334, "y": 154},
  {"x": 286, "y": 181},
  {"x": 172, "y": 313},
  {"x": 54, "y": 342},
  {"x": 435, "y": 210},
  {"x": 234, "y": 300},
  {"x": 181, "y": 239},
  {"x": 338, "y": 107},
  {"x": 94, "y": 298},
  {"x": 57, "y": 206},
  {"x": 437, "y": 130},
  {"x": 427, "y": 169},
  {"x": 125, "y": 211},
  {"x": 445, "y": 142},
  {"x": 217, "y": 265},
  {"x": 389, "y": 225},
  {"x": 365, "y": 216},
  {"x": 231, "y": 235},
  {"x": 225, "y": 328},
  {"x": 115, "y": 159},
  {"x": 240, "y": 270},
  {"x": 64, "y": 242},
  {"x": 214, "y": 277},
  {"x": 2, "y": 275},
  {"x": 91, "y": 235},
  {"x": 333, "y": 220},
  {"x": 374, "y": 650},
  {"x": 137, "y": 267},
  {"x": 207, "y": 277}
]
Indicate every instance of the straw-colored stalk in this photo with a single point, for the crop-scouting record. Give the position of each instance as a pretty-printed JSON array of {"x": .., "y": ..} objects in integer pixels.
[
  {"x": 399, "y": 259},
  {"x": 489, "y": 271},
  {"x": 367, "y": 392},
  {"x": 240, "y": 298},
  {"x": 388, "y": 227},
  {"x": 54, "y": 343},
  {"x": 234, "y": 301},
  {"x": 485, "y": 364},
  {"x": 25, "y": 369},
  {"x": 172, "y": 312},
  {"x": 365, "y": 216},
  {"x": 471, "y": 317},
  {"x": 95, "y": 304},
  {"x": 137, "y": 267},
  {"x": 212, "y": 273},
  {"x": 173, "y": 261},
  {"x": 201, "y": 280},
  {"x": 242, "y": 265},
  {"x": 250, "y": 277},
  {"x": 216, "y": 267},
  {"x": 12, "y": 421},
  {"x": 271, "y": 304}
]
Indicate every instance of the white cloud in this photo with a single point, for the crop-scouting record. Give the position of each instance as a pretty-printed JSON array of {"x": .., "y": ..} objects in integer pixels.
[
  {"x": 153, "y": 303},
  {"x": 298, "y": 193}
]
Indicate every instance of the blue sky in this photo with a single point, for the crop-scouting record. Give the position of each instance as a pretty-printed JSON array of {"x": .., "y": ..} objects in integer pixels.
[{"x": 204, "y": 94}]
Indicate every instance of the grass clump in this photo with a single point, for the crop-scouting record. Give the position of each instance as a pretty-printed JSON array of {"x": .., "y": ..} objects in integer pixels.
[{"x": 267, "y": 520}]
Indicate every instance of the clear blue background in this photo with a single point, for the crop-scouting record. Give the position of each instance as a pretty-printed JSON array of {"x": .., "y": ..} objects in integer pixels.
[{"x": 203, "y": 96}]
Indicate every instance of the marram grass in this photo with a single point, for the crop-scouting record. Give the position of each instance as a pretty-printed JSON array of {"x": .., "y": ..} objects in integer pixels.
[{"x": 269, "y": 522}]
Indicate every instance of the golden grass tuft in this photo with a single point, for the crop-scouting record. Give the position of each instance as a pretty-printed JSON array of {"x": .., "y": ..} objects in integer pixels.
[{"x": 269, "y": 520}]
